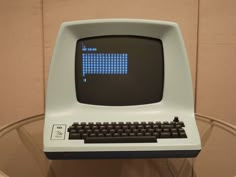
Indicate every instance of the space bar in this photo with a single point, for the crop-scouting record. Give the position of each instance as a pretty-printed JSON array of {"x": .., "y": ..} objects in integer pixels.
[{"x": 122, "y": 139}]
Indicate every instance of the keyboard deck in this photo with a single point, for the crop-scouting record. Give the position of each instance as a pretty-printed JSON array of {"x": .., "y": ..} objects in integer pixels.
[{"x": 126, "y": 132}]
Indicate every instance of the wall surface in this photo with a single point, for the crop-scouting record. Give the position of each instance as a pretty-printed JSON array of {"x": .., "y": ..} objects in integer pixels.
[
  {"x": 216, "y": 82},
  {"x": 21, "y": 60}
]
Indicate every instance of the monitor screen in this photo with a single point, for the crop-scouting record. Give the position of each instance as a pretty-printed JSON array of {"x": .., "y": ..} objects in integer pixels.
[{"x": 119, "y": 70}]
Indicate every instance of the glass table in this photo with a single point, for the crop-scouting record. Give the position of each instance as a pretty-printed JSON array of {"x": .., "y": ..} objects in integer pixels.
[{"x": 21, "y": 155}]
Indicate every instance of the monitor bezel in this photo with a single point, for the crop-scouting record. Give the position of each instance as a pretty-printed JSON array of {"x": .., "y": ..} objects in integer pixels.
[{"x": 177, "y": 91}]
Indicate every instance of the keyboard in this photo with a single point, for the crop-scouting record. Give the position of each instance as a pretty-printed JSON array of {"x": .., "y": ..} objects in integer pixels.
[{"x": 126, "y": 132}]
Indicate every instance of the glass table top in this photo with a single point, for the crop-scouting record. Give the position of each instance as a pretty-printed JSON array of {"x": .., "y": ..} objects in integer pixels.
[{"x": 21, "y": 155}]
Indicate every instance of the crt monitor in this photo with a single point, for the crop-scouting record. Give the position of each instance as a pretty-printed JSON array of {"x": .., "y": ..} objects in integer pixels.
[
  {"x": 120, "y": 70},
  {"x": 120, "y": 88}
]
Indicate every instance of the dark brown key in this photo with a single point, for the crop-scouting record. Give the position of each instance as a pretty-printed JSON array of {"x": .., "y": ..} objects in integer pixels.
[
  {"x": 165, "y": 135},
  {"x": 143, "y": 130},
  {"x": 75, "y": 124},
  {"x": 182, "y": 124},
  {"x": 140, "y": 126},
  {"x": 125, "y": 126},
  {"x": 139, "y": 134},
  {"x": 104, "y": 131},
  {"x": 112, "y": 131},
  {"x": 86, "y": 127},
  {"x": 135, "y": 130},
  {"x": 83, "y": 123},
  {"x": 124, "y": 134},
  {"x": 105, "y": 123},
  {"x": 94, "y": 127},
  {"x": 158, "y": 130},
  {"x": 109, "y": 127},
  {"x": 119, "y": 131},
  {"x": 143, "y": 123},
  {"x": 73, "y": 131},
  {"x": 155, "y": 134},
  {"x": 131, "y": 134},
  {"x": 102, "y": 127},
  {"x": 88, "y": 131},
  {"x": 108, "y": 134},
  {"x": 98, "y": 123},
  {"x": 92, "y": 134},
  {"x": 175, "y": 135},
  {"x": 116, "y": 134},
  {"x": 147, "y": 134},
  {"x": 167, "y": 126},
  {"x": 182, "y": 135},
  {"x": 178, "y": 126},
  {"x": 148, "y": 126},
  {"x": 96, "y": 131},
  {"x": 117, "y": 127},
  {"x": 173, "y": 130},
  {"x": 127, "y": 131},
  {"x": 132, "y": 126},
  {"x": 165, "y": 130},
  {"x": 90, "y": 123},
  {"x": 74, "y": 136},
  {"x": 155, "y": 126},
  {"x": 71, "y": 128},
  {"x": 150, "y": 130},
  {"x": 123, "y": 139},
  {"x": 84, "y": 135},
  {"x": 181, "y": 130},
  {"x": 100, "y": 134},
  {"x": 81, "y": 131}
]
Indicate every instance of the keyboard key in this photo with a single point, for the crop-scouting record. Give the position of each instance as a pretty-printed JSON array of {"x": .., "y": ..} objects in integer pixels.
[
  {"x": 182, "y": 124},
  {"x": 175, "y": 135},
  {"x": 92, "y": 135},
  {"x": 100, "y": 134},
  {"x": 98, "y": 123},
  {"x": 108, "y": 134},
  {"x": 83, "y": 123},
  {"x": 74, "y": 136},
  {"x": 84, "y": 135},
  {"x": 116, "y": 134},
  {"x": 124, "y": 139},
  {"x": 127, "y": 130},
  {"x": 71, "y": 128},
  {"x": 173, "y": 130},
  {"x": 182, "y": 135},
  {"x": 112, "y": 131},
  {"x": 139, "y": 134},
  {"x": 113, "y": 123},
  {"x": 150, "y": 130},
  {"x": 124, "y": 134},
  {"x": 166, "y": 130},
  {"x": 165, "y": 135},
  {"x": 155, "y": 134},
  {"x": 81, "y": 131},
  {"x": 132, "y": 134},
  {"x": 73, "y": 131},
  {"x": 75, "y": 124}
]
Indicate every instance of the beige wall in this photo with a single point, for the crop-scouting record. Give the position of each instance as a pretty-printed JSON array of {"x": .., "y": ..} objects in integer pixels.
[
  {"x": 216, "y": 86},
  {"x": 21, "y": 60},
  {"x": 29, "y": 28}
]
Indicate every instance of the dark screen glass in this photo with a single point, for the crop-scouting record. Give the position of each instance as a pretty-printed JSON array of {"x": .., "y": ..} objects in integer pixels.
[{"x": 119, "y": 70}]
